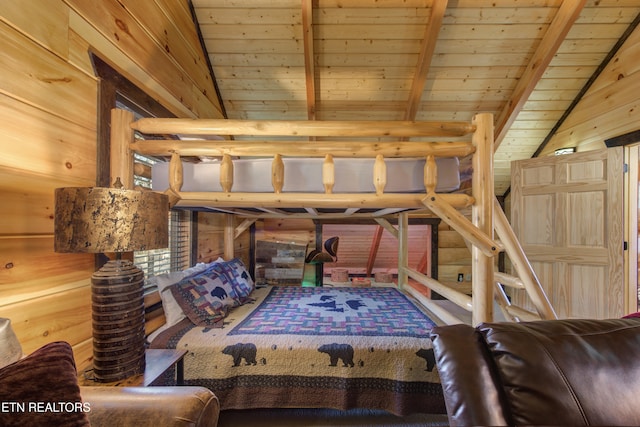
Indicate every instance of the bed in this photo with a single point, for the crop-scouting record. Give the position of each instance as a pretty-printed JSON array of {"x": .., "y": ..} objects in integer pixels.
[
  {"x": 476, "y": 214},
  {"x": 330, "y": 347}
]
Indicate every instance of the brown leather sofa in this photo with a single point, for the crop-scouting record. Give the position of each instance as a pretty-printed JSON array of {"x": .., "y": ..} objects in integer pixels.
[
  {"x": 553, "y": 372},
  {"x": 151, "y": 406},
  {"x": 42, "y": 389}
]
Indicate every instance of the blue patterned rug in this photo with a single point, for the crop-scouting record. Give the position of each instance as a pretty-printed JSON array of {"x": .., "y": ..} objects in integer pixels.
[{"x": 296, "y": 310}]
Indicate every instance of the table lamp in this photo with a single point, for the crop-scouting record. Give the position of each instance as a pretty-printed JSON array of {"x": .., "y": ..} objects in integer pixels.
[{"x": 113, "y": 220}]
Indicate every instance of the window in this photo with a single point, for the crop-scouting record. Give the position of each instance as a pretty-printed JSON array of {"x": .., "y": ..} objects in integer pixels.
[{"x": 116, "y": 91}]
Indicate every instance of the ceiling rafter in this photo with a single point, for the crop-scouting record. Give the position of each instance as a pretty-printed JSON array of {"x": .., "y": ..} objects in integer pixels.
[
  {"x": 309, "y": 65},
  {"x": 567, "y": 14},
  {"x": 427, "y": 49}
]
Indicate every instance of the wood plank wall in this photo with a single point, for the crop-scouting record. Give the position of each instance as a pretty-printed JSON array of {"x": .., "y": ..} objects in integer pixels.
[
  {"x": 48, "y": 110},
  {"x": 453, "y": 255}
]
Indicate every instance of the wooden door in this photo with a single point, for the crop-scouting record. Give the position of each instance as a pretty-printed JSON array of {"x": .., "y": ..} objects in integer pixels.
[{"x": 567, "y": 212}]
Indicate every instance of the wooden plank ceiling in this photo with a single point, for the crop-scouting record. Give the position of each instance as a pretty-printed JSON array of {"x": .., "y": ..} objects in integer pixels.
[{"x": 525, "y": 61}]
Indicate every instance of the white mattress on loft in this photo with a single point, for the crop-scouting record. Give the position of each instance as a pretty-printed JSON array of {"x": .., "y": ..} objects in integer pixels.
[{"x": 305, "y": 175}]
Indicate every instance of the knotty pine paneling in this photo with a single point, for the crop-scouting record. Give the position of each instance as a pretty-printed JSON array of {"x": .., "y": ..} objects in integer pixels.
[
  {"x": 211, "y": 238},
  {"x": 48, "y": 110}
]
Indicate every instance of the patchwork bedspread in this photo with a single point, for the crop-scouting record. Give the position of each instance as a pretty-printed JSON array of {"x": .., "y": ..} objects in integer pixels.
[{"x": 316, "y": 347}]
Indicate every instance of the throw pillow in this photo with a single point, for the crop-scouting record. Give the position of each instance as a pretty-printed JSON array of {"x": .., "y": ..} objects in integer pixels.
[
  {"x": 206, "y": 297},
  {"x": 172, "y": 311},
  {"x": 10, "y": 348},
  {"x": 239, "y": 276},
  {"x": 42, "y": 390}
]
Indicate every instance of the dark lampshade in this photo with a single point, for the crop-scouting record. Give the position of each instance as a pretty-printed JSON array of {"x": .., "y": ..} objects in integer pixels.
[{"x": 98, "y": 220}]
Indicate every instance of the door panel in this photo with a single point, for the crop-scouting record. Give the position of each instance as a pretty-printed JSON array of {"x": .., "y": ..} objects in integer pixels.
[{"x": 567, "y": 212}]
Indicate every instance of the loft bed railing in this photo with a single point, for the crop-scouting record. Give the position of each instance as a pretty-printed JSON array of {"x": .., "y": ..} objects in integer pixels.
[{"x": 177, "y": 139}]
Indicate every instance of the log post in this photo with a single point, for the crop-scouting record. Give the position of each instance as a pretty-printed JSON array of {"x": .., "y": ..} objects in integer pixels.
[
  {"x": 277, "y": 174},
  {"x": 379, "y": 174},
  {"x": 226, "y": 173},
  {"x": 229, "y": 237},
  {"x": 482, "y": 217},
  {"x": 403, "y": 249},
  {"x": 328, "y": 174},
  {"x": 121, "y": 154}
]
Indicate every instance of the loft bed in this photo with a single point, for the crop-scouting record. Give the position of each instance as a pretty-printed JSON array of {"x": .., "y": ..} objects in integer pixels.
[
  {"x": 258, "y": 377},
  {"x": 184, "y": 139}
]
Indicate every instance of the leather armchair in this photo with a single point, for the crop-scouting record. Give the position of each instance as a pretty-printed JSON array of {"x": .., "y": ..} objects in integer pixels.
[
  {"x": 553, "y": 372},
  {"x": 151, "y": 406}
]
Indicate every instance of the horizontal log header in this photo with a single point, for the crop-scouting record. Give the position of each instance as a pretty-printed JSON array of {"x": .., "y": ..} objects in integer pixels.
[
  {"x": 314, "y": 200},
  {"x": 355, "y": 128},
  {"x": 302, "y": 148}
]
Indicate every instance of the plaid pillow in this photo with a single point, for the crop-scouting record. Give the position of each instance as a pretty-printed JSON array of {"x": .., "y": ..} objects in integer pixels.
[
  {"x": 206, "y": 297},
  {"x": 239, "y": 277}
]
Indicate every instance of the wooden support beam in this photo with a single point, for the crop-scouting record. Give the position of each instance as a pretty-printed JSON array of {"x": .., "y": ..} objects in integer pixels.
[
  {"x": 373, "y": 251},
  {"x": 521, "y": 264},
  {"x": 285, "y": 200},
  {"x": 243, "y": 227},
  {"x": 121, "y": 163},
  {"x": 427, "y": 47},
  {"x": 566, "y": 16},
  {"x": 424, "y": 265},
  {"x": 403, "y": 249},
  {"x": 309, "y": 62},
  {"x": 508, "y": 280},
  {"x": 482, "y": 186},
  {"x": 387, "y": 226},
  {"x": 337, "y": 128},
  {"x": 442, "y": 313},
  {"x": 460, "y": 299},
  {"x": 343, "y": 149},
  {"x": 470, "y": 232},
  {"x": 229, "y": 237}
]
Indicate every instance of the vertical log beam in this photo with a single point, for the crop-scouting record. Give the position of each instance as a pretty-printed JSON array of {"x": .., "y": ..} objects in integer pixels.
[
  {"x": 403, "y": 249},
  {"x": 122, "y": 135},
  {"x": 328, "y": 174},
  {"x": 229, "y": 237},
  {"x": 373, "y": 251},
  {"x": 277, "y": 174},
  {"x": 379, "y": 174},
  {"x": 482, "y": 217},
  {"x": 226, "y": 173}
]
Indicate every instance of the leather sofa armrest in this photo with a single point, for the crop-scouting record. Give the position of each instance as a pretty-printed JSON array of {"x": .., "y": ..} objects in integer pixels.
[
  {"x": 473, "y": 394},
  {"x": 151, "y": 406}
]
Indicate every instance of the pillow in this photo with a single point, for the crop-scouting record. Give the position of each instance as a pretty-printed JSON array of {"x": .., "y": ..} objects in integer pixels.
[
  {"x": 42, "y": 390},
  {"x": 206, "y": 297},
  {"x": 239, "y": 277},
  {"x": 172, "y": 311}
]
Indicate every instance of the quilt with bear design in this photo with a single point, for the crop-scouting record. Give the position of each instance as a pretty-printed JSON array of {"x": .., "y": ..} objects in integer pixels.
[{"x": 323, "y": 347}]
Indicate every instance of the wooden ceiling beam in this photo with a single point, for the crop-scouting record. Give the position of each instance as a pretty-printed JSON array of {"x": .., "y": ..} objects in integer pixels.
[
  {"x": 309, "y": 63},
  {"x": 428, "y": 46},
  {"x": 548, "y": 47}
]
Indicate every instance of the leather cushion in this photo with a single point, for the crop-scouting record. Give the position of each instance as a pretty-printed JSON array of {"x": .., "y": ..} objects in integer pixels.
[{"x": 568, "y": 372}]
